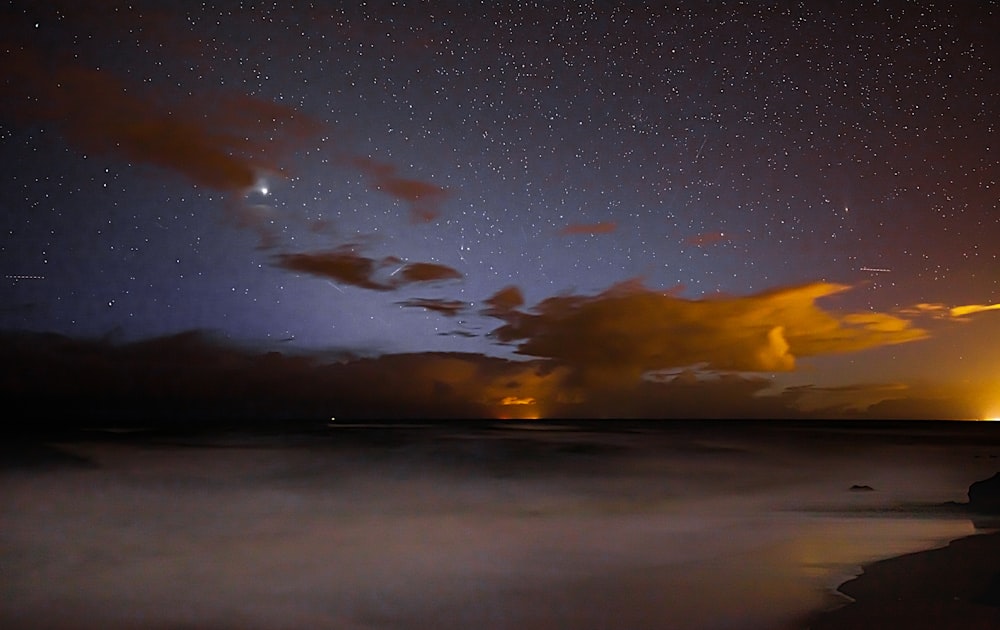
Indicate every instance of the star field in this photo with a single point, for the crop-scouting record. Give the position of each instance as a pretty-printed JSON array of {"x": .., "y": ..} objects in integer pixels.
[{"x": 318, "y": 176}]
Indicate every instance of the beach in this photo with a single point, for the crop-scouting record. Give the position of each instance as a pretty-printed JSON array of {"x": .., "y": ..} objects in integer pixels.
[
  {"x": 701, "y": 526},
  {"x": 957, "y": 586}
]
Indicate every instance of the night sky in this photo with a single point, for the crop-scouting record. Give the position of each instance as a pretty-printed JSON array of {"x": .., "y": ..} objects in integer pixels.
[{"x": 767, "y": 209}]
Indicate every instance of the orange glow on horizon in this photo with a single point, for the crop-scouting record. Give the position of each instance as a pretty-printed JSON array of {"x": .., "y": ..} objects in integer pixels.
[
  {"x": 519, "y": 408},
  {"x": 516, "y": 400}
]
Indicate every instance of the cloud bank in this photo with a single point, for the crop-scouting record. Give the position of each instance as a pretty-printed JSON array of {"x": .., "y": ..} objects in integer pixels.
[{"x": 195, "y": 379}]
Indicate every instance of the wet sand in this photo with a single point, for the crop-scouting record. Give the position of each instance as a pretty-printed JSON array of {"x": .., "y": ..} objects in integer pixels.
[{"x": 957, "y": 586}]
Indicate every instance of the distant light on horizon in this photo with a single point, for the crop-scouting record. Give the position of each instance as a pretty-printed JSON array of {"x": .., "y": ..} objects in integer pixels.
[
  {"x": 517, "y": 400},
  {"x": 519, "y": 408}
]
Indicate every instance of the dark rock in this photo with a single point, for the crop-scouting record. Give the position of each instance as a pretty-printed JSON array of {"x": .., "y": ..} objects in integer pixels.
[
  {"x": 861, "y": 488},
  {"x": 984, "y": 496}
]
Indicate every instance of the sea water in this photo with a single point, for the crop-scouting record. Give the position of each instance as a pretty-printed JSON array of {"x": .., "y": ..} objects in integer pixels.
[{"x": 710, "y": 525}]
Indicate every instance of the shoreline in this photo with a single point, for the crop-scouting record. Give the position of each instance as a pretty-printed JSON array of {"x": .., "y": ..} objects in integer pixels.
[{"x": 954, "y": 586}]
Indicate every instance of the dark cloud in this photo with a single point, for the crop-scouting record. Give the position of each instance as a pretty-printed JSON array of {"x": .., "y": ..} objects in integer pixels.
[
  {"x": 102, "y": 380},
  {"x": 503, "y": 302},
  {"x": 424, "y": 199},
  {"x": 449, "y": 308},
  {"x": 459, "y": 333},
  {"x": 195, "y": 377},
  {"x": 223, "y": 142},
  {"x": 427, "y": 272},
  {"x": 843, "y": 400},
  {"x": 602, "y": 227},
  {"x": 345, "y": 265},
  {"x": 919, "y": 407},
  {"x": 728, "y": 396}
]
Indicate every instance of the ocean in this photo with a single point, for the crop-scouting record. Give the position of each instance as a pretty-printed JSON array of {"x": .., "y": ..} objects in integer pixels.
[{"x": 459, "y": 525}]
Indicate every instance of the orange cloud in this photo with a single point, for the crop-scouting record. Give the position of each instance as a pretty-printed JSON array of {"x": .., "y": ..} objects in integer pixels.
[
  {"x": 962, "y": 311},
  {"x": 941, "y": 311},
  {"x": 602, "y": 227},
  {"x": 423, "y": 198},
  {"x": 344, "y": 265},
  {"x": 628, "y": 330},
  {"x": 925, "y": 308},
  {"x": 223, "y": 142}
]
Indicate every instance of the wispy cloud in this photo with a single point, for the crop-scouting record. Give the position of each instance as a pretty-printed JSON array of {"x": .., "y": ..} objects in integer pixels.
[
  {"x": 602, "y": 227},
  {"x": 706, "y": 239},
  {"x": 224, "y": 142},
  {"x": 423, "y": 198},
  {"x": 943, "y": 311}
]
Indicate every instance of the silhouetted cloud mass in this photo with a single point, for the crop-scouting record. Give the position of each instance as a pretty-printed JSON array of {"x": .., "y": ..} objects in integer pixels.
[{"x": 196, "y": 377}]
